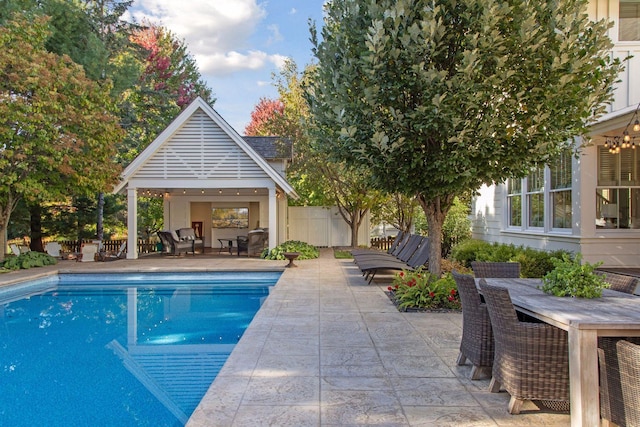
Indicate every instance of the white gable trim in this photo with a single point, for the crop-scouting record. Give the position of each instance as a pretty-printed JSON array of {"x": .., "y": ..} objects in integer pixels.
[{"x": 153, "y": 148}]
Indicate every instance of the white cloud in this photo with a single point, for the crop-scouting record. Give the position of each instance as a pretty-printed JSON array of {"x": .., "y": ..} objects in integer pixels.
[
  {"x": 223, "y": 63},
  {"x": 276, "y": 36},
  {"x": 293, "y": 11},
  {"x": 216, "y": 32}
]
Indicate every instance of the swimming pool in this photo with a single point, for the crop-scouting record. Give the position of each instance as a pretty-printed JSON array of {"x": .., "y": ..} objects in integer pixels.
[{"x": 119, "y": 349}]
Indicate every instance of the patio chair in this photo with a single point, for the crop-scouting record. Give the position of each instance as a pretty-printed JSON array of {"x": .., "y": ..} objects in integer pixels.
[
  {"x": 15, "y": 249},
  {"x": 172, "y": 245},
  {"x": 619, "y": 282},
  {"x": 496, "y": 269},
  {"x": 477, "y": 342},
  {"x": 243, "y": 244},
  {"x": 612, "y": 405},
  {"x": 113, "y": 255},
  {"x": 256, "y": 242},
  {"x": 88, "y": 252},
  {"x": 418, "y": 258},
  {"x": 402, "y": 253},
  {"x": 189, "y": 233},
  {"x": 531, "y": 360},
  {"x": 629, "y": 362},
  {"x": 54, "y": 249}
]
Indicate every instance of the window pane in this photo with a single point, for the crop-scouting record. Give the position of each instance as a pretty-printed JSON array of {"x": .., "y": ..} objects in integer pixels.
[
  {"x": 561, "y": 209},
  {"x": 514, "y": 186},
  {"x": 536, "y": 181},
  {"x": 629, "y": 166},
  {"x": 607, "y": 167},
  {"x": 561, "y": 172},
  {"x": 629, "y": 23},
  {"x": 536, "y": 210},
  {"x": 515, "y": 211}
]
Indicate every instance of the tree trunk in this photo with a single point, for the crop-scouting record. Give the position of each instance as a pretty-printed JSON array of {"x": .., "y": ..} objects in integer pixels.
[
  {"x": 35, "y": 225},
  {"x": 436, "y": 211},
  {"x": 5, "y": 215},
  {"x": 355, "y": 225},
  {"x": 100, "y": 219}
]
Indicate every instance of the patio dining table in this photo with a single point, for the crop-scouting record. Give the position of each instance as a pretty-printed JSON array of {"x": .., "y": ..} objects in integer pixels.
[{"x": 615, "y": 314}]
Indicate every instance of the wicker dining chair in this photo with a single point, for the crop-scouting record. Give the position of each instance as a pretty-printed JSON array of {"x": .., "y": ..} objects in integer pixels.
[
  {"x": 496, "y": 269},
  {"x": 629, "y": 362},
  {"x": 531, "y": 360},
  {"x": 612, "y": 404},
  {"x": 619, "y": 282},
  {"x": 477, "y": 338}
]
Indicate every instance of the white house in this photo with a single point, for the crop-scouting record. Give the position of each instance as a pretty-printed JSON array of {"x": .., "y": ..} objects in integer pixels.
[
  {"x": 591, "y": 204},
  {"x": 211, "y": 179}
]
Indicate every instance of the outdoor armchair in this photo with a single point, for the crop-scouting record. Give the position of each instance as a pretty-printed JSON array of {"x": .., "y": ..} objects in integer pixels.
[
  {"x": 243, "y": 244},
  {"x": 531, "y": 360},
  {"x": 477, "y": 344},
  {"x": 496, "y": 269},
  {"x": 619, "y": 282},
  {"x": 189, "y": 234},
  {"x": 172, "y": 245}
]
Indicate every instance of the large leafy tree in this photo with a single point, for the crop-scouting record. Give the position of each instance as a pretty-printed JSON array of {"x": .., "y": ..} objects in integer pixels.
[
  {"x": 438, "y": 97},
  {"x": 265, "y": 118},
  {"x": 318, "y": 181},
  {"x": 169, "y": 80},
  {"x": 57, "y": 129}
]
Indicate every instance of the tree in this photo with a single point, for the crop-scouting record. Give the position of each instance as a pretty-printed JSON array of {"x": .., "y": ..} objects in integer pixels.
[
  {"x": 439, "y": 97},
  {"x": 264, "y": 118},
  {"x": 57, "y": 130},
  {"x": 169, "y": 81},
  {"x": 396, "y": 209},
  {"x": 317, "y": 181}
]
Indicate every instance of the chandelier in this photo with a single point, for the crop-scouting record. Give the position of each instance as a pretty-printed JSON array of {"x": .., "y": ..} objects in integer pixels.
[{"x": 628, "y": 139}]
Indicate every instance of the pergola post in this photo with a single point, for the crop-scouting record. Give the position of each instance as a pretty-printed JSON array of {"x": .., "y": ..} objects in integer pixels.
[
  {"x": 132, "y": 223},
  {"x": 273, "y": 218}
]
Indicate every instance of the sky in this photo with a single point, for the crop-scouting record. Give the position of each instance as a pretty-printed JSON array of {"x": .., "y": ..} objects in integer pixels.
[{"x": 238, "y": 44}]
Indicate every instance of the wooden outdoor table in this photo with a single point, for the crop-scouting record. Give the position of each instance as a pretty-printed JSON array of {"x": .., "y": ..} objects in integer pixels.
[{"x": 615, "y": 314}]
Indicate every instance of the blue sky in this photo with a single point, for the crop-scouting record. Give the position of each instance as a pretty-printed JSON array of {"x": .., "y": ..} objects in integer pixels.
[{"x": 238, "y": 44}]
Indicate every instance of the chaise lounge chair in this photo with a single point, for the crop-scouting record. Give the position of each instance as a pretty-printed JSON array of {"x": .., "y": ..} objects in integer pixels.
[
  {"x": 418, "y": 258},
  {"x": 111, "y": 255}
]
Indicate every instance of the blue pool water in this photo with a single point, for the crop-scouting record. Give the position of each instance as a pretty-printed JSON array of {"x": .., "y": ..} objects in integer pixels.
[{"x": 119, "y": 349}]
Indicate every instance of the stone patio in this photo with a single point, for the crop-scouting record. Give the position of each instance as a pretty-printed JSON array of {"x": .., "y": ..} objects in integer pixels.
[{"x": 326, "y": 349}]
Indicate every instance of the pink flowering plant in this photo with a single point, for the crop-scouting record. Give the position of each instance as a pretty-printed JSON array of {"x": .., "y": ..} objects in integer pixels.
[{"x": 422, "y": 290}]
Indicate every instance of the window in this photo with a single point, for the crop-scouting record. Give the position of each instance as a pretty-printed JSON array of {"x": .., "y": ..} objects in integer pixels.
[
  {"x": 560, "y": 192},
  {"x": 514, "y": 202},
  {"x": 535, "y": 198},
  {"x": 544, "y": 193},
  {"x": 618, "y": 191},
  {"x": 230, "y": 217},
  {"x": 629, "y": 22}
]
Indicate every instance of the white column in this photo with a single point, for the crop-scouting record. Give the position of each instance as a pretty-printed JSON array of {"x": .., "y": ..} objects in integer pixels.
[
  {"x": 273, "y": 218},
  {"x": 132, "y": 223}
]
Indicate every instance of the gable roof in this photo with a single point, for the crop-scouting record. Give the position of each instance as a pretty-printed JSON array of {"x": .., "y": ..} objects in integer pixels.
[{"x": 199, "y": 143}]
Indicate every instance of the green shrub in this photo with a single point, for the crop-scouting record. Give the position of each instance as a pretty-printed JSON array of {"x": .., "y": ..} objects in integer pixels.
[
  {"x": 421, "y": 289},
  {"x": 469, "y": 250},
  {"x": 572, "y": 278},
  {"x": 306, "y": 250},
  {"x": 533, "y": 263},
  {"x": 29, "y": 260}
]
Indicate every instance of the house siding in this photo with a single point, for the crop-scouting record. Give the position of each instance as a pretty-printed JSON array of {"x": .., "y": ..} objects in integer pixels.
[{"x": 614, "y": 248}]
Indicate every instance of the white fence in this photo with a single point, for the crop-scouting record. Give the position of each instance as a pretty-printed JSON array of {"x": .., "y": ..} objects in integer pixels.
[{"x": 323, "y": 227}]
